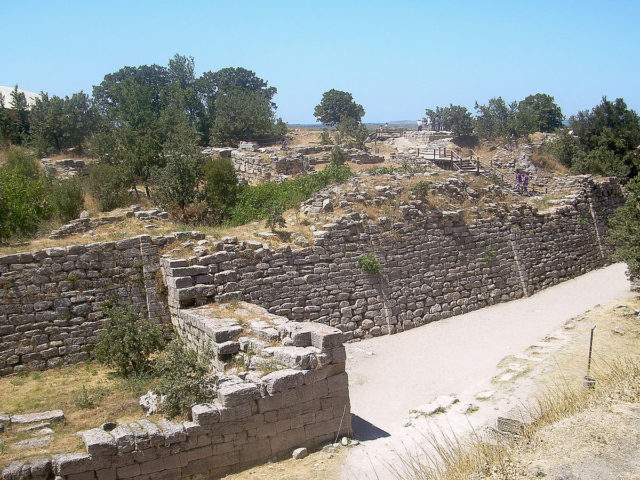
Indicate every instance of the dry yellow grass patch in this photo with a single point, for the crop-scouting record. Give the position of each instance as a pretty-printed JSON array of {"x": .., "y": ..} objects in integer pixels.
[
  {"x": 108, "y": 399},
  {"x": 549, "y": 163}
]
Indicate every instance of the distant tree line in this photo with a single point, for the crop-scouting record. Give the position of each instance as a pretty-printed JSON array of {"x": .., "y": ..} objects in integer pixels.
[{"x": 497, "y": 119}]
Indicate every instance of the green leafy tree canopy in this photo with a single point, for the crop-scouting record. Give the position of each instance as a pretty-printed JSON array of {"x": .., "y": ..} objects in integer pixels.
[{"x": 335, "y": 106}]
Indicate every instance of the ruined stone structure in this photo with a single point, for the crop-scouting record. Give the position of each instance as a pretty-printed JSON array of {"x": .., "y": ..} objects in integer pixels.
[
  {"x": 250, "y": 420},
  {"x": 304, "y": 304},
  {"x": 51, "y": 301},
  {"x": 434, "y": 265}
]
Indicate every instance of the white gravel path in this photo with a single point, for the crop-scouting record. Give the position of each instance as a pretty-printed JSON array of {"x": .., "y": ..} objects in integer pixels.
[{"x": 390, "y": 375}]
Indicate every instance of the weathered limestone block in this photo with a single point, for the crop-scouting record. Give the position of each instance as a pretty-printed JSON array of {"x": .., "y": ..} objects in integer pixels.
[
  {"x": 51, "y": 416},
  {"x": 99, "y": 443},
  {"x": 235, "y": 394}
]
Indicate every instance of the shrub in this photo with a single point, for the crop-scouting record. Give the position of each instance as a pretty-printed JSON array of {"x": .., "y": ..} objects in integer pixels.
[
  {"x": 23, "y": 195},
  {"x": 220, "y": 187},
  {"x": 421, "y": 189},
  {"x": 369, "y": 264},
  {"x": 257, "y": 202},
  {"x": 127, "y": 340},
  {"x": 325, "y": 138},
  {"x": 183, "y": 379},
  {"x": 276, "y": 219},
  {"x": 67, "y": 198},
  {"x": 82, "y": 399},
  {"x": 108, "y": 186},
  {"x": 337, "y": 156},
  {"x": 382, "y": 171}
]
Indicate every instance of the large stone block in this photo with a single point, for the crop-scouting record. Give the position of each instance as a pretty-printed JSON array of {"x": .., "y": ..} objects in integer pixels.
[
  {"x": 98, "y": 442},
  {"x": 237, "y": 393},
  {"x": 282, "y": 380}
]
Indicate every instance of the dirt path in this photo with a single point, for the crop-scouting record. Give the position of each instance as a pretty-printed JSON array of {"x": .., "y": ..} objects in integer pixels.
[{"x": 464, "y": 355}]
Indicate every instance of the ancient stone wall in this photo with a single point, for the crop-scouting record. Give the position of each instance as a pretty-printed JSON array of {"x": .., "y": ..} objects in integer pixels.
[
  {"x": 250, "y": 420},
  {"x": 434, "y": 264},
  {"x": 51, "y": 301}
]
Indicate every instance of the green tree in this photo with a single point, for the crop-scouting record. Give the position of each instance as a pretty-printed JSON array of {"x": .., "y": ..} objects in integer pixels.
[
  {"x": 127, "y": 340},
  {"x": 212, "y": 85},
  {"x": 14, "y": 119},
  {"x": 496, "y": 119},
  {"x": 538, "y": 113},
  {"x": 58, "y": 124},
  {"x": 625, "y": 229},
  {"x": 336, "y": 106},
  {"x": 177, "y": 182},
  {"x": 454, "y": 118},
  {"x": 241, "y": 114},
  {"x": 220, "y": 187},
  {"x": 132, "y": 101},
  {"x": 608, "y": 138}
]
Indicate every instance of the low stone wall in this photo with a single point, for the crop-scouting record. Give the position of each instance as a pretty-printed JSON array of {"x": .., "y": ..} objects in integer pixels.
[
  {"x": 251, "y": 419},
  {"x": 51, "y": 301}
]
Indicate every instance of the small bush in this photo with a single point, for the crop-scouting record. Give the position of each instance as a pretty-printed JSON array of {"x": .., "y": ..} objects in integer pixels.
[
  {"x": 108, "y": 186},
  {"x": 337, "y": 157},
  {"x": 82, "y": 399},
  {"x": 23, "y": 195},
  {"x": 127, "y": 341},
  {"x": 421, "y": 189},
  {"x": 220, "y": 187},
  {"x": 184, "y": 379},
  {"x": 382, "y": 171},
  {"x": 276, "y": 219},
  {"x": 369, "y": 264},
  {"x": 67, "y": 198},
  {"x": 325, "y": 138}
]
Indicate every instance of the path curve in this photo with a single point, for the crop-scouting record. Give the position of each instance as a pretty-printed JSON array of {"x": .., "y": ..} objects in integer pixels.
[{"x": 390, "y": 375}]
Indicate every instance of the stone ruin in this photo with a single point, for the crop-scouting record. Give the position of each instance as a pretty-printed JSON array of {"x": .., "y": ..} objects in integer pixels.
[
  {"x": 285, "y": 311},
  {"x": 250, "y": 419}
]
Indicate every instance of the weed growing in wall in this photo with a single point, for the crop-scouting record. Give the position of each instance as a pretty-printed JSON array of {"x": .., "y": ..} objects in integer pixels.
[
  {"x": 369, "y": 264},
  {"x": 489, "y": 255}
]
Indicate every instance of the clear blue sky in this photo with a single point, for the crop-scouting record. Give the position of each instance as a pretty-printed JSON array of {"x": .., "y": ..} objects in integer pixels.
[{"x": 396, "y": 57}]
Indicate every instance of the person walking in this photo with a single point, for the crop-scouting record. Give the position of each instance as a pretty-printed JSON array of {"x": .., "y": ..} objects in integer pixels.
[
  {"x": 518, "y": 181},
  {"x": 525, "y": 181}
]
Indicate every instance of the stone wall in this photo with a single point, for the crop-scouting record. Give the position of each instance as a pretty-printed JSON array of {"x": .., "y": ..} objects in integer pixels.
[
  {"x": 51, "y": 301},
  {"x": 250, "y": 420},
  {"x": 434, "y": 264}
]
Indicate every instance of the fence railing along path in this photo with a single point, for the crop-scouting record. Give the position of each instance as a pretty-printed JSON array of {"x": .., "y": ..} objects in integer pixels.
[{"x": 451, "y": 160}]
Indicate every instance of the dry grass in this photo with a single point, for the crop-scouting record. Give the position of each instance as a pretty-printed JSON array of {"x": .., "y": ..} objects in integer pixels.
[
  {"x": 110, "y": 399},
  {"x": 549, "y": 163},
  {"x": 130, "y": 227}
]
